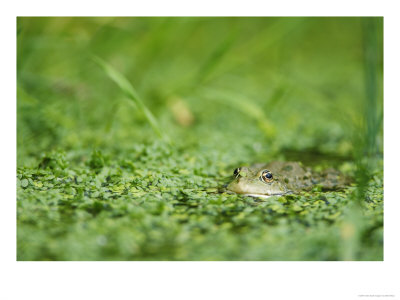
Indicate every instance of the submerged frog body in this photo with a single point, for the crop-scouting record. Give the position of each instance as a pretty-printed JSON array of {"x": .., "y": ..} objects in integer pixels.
[{"x": 280, "y": 178}]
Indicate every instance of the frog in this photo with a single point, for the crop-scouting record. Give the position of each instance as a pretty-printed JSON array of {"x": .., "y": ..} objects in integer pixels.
[{"x": 279, "y": 178}]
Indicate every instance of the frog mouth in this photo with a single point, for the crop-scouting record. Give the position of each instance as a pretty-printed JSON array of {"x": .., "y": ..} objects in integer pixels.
[
  {"x": 261, "y": 195},
  {"x": 270, "y": 195}
]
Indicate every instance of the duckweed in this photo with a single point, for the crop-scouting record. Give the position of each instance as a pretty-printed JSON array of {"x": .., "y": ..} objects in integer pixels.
[{"x": 156, "y": 213}]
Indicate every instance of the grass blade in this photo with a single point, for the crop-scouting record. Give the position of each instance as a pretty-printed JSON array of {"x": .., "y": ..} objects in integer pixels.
[
  {"x": 245, "y": 106},
  {"x": 131, "y": 93}
]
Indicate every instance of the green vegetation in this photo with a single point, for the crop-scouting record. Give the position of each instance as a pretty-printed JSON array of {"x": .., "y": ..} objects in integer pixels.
[{"x": 128, "y": 129}]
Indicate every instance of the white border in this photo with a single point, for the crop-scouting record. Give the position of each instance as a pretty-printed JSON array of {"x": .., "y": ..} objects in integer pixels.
[{"x": 202, "y": 8}]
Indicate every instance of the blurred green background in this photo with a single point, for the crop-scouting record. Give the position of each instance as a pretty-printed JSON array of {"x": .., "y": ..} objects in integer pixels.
[{"x": 206, "y": 95}]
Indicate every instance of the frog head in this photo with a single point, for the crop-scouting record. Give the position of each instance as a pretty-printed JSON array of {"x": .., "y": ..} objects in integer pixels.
[{"x": 257, "y": 183}]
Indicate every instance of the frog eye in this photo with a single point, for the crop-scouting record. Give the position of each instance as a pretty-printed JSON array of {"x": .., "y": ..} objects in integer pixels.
[
  {"x": 266, "y": 176},
  {"x": 236, "y": 173}
]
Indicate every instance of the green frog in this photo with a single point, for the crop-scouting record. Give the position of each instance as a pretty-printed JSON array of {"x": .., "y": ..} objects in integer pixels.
[{"x": 282, "y": 178}]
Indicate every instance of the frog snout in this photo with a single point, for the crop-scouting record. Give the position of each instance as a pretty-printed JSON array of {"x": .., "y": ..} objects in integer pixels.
[{"x": 234, "y": 186}]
